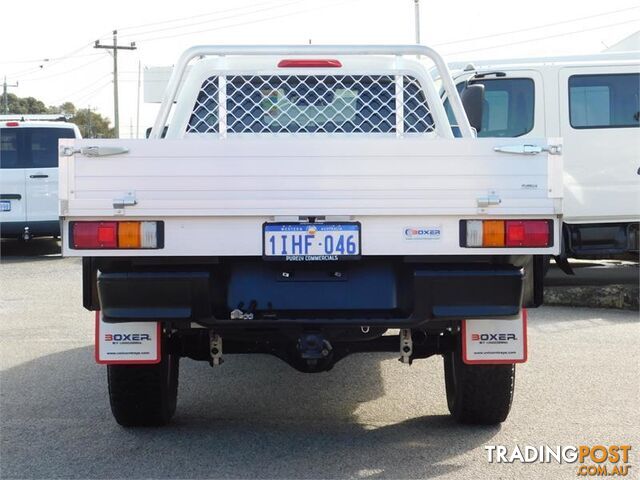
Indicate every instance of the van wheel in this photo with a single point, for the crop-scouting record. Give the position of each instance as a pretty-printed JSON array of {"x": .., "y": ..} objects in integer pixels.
[
  {"x": 479, "y": 394},
  {"x": 144, "y": 395}
]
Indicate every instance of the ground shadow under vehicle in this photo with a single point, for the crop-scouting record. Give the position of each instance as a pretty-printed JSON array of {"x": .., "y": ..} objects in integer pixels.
[
  {"x": 14, "y": 251},
  {"x": 254, "y": 417}
]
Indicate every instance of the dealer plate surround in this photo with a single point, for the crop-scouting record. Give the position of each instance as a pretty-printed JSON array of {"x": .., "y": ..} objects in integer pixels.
[{"x": 311, "y": 242}]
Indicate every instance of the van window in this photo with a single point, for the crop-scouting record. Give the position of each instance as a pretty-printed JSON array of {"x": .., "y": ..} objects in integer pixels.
[
  {"x": 31, "y": 147},
  {"x": 508, "y": 106},
  {"x": 8, "y": 148},
  {"x": 604, "y": 101}
]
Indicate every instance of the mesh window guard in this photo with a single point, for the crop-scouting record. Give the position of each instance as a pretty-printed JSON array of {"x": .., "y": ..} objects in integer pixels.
[{"x": 311, "y": 104}]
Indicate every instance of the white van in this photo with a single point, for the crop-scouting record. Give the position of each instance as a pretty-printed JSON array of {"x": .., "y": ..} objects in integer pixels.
[
  {"x": 592, "y": 102},
  {"x": 29, "y": 174}
]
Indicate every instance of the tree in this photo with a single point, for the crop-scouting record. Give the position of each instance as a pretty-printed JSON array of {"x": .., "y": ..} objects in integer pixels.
[
  {"x": 23, "y": 105},
  {"x": 67, "y": 108},
  {"x": 90, "y": 123}
]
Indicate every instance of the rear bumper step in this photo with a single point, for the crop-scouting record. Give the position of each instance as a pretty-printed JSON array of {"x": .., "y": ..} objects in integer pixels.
[
  {"x": 417, "y": 296},
  {"x": 36, "y": 229}
]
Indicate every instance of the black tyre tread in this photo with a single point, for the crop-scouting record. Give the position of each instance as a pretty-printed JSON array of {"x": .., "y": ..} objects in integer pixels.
[
  {"x": 143, "y": 395},
  {"x": 482, "y": 394}
]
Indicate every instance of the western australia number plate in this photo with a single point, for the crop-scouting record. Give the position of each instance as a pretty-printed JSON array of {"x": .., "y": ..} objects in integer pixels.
[
  {"x": 311, "y": 241},
  {"x": 5, "y": 205}
]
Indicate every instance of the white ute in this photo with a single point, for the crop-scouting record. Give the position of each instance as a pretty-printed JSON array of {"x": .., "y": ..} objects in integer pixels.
[{"x": 311, "y": 202}]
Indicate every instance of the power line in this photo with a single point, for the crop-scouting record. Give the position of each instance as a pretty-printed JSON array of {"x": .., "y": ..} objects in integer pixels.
[
  {"x": 134, "y": 27},
  {"x": 545, "y": 37},
  {"x": 137, "y": 36},
  {"x": 46, "y": 62},
  {"x": 67, "y": 96},
  {"x": 50, "y": 61},
  {"x": 251, "y": 22},
  {"x": 47, "y": 59},
  {"x": 464, "y": 40},
  {"x": 90, "y": 95},
  {"x": 66, "y": 72}
]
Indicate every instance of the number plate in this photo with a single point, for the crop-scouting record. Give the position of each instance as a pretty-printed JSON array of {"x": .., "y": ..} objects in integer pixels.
[
  {"x": 309, "y": 242},
  {"x": 5, "y": 205}
]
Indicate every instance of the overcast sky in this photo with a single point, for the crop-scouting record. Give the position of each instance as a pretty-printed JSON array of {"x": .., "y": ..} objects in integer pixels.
[{"x": 64, "y": 32}]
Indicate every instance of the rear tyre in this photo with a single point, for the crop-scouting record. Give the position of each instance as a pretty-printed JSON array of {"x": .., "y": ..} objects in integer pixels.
[
  {"x": 144, "y": 395},
  {"x": 477, "y": 394}
]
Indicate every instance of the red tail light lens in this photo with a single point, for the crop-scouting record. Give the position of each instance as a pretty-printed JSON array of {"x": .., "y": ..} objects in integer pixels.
[
  {"x": 95, "y": 235},
  {"x": 310, "y": 63},
  {"x": 527, "y": 233}
]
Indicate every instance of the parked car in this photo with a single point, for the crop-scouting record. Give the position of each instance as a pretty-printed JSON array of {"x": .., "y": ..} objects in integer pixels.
[
  {"x": 29, "y": 174},
  {"x": 593, "y": 103},
  {"x": 304, "y": 201}
]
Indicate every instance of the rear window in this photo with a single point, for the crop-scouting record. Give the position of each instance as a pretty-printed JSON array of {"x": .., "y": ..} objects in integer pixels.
[
  {"x": 8, "y": 148},
  {"x": 508, "y": 107},
  {"x": 604, "y": 101},
  {"x": 31, "y": 147},
  {"x": 311, "y": 104}
]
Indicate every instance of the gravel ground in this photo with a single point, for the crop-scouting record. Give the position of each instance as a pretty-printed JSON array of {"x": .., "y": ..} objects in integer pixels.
[{"x": 255, "y": 417}]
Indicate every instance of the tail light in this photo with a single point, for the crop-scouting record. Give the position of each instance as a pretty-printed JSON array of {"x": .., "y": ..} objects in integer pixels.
[
  {"x": 116, "y": 235},
  {"x": 506, "y": 233}
]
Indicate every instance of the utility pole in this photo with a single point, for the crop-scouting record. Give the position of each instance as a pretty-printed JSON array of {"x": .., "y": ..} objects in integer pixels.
[
  {"x": 89, "y": 129},
  {"x": 417, "y": 20},
  {"x": 5, "y": 95},
  {"x": 138, "y": 104},
  {"x": 114, "y": 48}
]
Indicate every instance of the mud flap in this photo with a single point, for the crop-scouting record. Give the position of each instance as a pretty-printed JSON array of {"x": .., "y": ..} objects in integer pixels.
[
  {"x": 127, "y": 343},
  {"x": 495, "y": 341}
]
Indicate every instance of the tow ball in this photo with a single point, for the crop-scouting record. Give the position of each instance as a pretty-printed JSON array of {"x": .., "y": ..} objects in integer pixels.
[
  {"x": 313, "y": 353},
  {"x": 313, "y": 346}
]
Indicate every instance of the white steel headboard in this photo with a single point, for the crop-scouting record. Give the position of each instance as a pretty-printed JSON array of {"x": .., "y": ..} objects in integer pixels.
[{"x": 341, "y": 50}]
